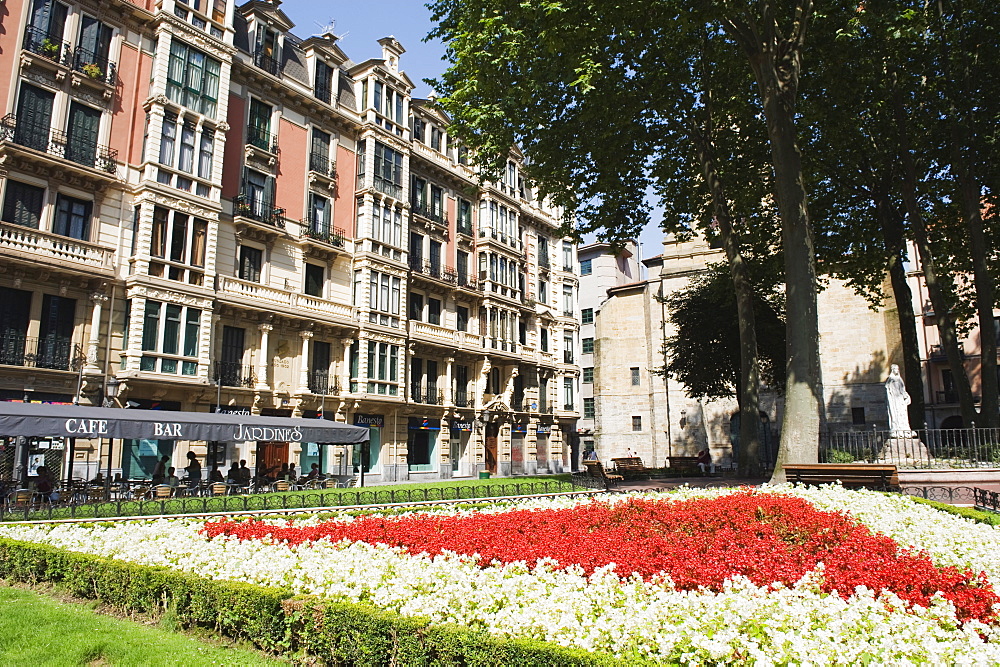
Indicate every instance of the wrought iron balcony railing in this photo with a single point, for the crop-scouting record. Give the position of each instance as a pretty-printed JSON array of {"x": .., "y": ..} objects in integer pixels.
[
  {"x": 428, "y": 211},
  {"x": 40, "y": 42},
  {"x": 464, "y": 400},
  {"x": 95, "y": 67},
  {"x": 52, "y": 352},
  {"x": 259, "y": 209},
  {"x": 323, "y": 92},
  {"x": 262, "y": 139},
  {"x": 321, "y": 382},
  {"x": 321, "y": 231},
  {"x": 229, "y": 374},
  {"x": 321, "y": 163},
  {"x": 57, "y": 143},
  {"x": 266, "y": 62}
]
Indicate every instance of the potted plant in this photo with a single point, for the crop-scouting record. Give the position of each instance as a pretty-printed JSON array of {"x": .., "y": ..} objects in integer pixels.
[
  {"x": 92, "y": 70},
  {"x": 50, "y": 48}
]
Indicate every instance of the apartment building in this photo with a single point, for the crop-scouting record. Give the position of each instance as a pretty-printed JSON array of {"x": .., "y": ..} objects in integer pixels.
[{"x": 205, "y": 212}]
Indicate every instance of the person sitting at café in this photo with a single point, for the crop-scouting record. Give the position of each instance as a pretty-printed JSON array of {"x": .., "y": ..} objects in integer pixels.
[
  {"x": 216, "y": 475},
  {"x": 313, "y": 472},
  {"x": 98, "y": 479},
  {"x": 704, "y": 460},
  {"x": 45, "y": 485},
  {"x": 233, "y": 474},
  {"x": 160, "y": 470},
  {"x": 172, "y": 480},
  {"x": 193, "y": 469},
  {"x": 245, "y": 475},
  {"x": 290, "y": 475}
]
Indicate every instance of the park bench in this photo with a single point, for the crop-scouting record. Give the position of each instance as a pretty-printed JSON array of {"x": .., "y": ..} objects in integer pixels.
[
  {"x": 630, "y": 467},
  {"x": 595, "y": 470},
  {"x": 877, "y": 476},
  {"x": 684, "y": 464}
]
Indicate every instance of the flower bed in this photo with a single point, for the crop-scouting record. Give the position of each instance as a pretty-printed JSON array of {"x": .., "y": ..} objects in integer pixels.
[{"x": 575, "y": 597}]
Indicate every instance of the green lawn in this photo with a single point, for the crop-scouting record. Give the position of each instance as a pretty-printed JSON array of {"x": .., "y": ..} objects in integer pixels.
[
  {"x": 38, "y": 630},
  {"x": 396, "y": 493}
]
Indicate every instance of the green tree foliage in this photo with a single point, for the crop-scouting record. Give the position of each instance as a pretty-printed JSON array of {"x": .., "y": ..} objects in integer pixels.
[{"x": 703, "y": 352}]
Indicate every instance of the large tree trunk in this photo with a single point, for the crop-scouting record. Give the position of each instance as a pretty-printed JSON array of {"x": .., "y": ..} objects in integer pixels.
[
  {"x": 748, "y": 456},
  {"x": 892, "y": 235},
  {"x": 971, "y": 200},
  {"x": 936, "y": 286},
  {"x": 776, "y": 63}
]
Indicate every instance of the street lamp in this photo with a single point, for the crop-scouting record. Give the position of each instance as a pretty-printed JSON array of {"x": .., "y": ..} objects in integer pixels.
[{"x": 111, "y": 391}]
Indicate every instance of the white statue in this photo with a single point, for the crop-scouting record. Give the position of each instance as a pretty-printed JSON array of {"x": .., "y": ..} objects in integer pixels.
[{"x": 898, "y": 400}]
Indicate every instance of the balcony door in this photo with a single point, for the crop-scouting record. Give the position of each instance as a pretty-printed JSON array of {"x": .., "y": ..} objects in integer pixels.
[
  {"x": 95, "y": 43},
  {"x": 49, "y": 18},
  {"x": 81, "y": 134},
  {"x": 55, "y": 333},
  {"x": 15, "y": 312},
  {"x": 34, "y": 117},
  {"x": 231, "y": 359}
]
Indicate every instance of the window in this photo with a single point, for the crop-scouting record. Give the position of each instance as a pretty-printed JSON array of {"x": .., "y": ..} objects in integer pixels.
[
  {"x": 543, "y": 252},
  {"x": 388, "y": 171},
  {"x": 568, "y": 348},
  {"x": 416, "y": 306},
  {"x": 323, "y": 86},
  {"x": 543, "y": 291},
  {"x": 383, "y": 296},
  {"x": 462, "y": 268},
  {"x": 193, "y": 78},
  {"x": 464, "y": 217},
  {"x": 461, "y": 318},
  {"x": 567, "y": 249},
  {"x": 72, "y": 218},
  {"x": 251, "y": 261},
  {"x": 588, "y": 375},
  {"x": 588, "y": 408},
  {"x": 544, "y": 333},
  {"x": 314, "y": 280},
  {"x": 387, "y": 224},
  {"x": 636, "y": 423},
  {"x": 179, "y": 239},
  {"x": 22, "y": 204},
  {"x": 389, "y": 103},
  {"x": 635, "y": 376},
  {"x": 568, "y": 300},
  {"x": 436, "y": 135},
  {"x": 434, "y": 311},
  {"x": 319, "y": 155},
  {"x": 588, "y": 345},
  {"x": 858, "y": 416},
  {"x": 383, "y": 368},
  {"x": 171, "y": 333},
  {"x": 319, "y": 215},
  {"x": 418, "y": 129},
  {"x": 586, "y": 267},
  {"x": 568, "y": 398},
  {"x": 587, "y": 316},
  {"x": 259, "y": 125},
  {"x": 258, "y": 196}
]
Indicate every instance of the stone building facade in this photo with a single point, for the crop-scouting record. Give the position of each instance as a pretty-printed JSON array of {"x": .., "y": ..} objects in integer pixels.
[{"x": 215, "y": 214}]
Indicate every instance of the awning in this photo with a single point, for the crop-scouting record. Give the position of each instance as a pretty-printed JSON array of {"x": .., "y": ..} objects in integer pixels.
[{"x": 47, "y": 420}]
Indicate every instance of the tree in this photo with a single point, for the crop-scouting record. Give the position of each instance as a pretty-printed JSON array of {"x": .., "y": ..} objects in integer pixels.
[
  {"x": 704, "y": 351},
  {"x": 586, "y": 91}
]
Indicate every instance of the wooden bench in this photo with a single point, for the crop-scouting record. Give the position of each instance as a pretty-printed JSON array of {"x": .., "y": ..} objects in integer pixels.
[
  {"x": 684, "y": 464},
  {"x": 595, "y": 470},
  {"x": 882, "y": 477},
  {"x": 630, "y": 467}
]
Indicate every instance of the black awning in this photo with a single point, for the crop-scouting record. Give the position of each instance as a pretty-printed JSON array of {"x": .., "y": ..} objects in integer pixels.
[{"x": 47, "y": 420}]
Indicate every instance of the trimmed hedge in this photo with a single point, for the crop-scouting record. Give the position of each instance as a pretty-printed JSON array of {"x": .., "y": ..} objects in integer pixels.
[
  {"x": 274, "y": 620},
  {"x": 967, "y": 512}
]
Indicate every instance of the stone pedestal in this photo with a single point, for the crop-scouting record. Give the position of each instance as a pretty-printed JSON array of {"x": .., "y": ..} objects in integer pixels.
[{"x": 904, "y": 449}]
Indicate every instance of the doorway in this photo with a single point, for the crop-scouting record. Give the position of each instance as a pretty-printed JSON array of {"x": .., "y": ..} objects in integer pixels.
[
  {"x": 492, "y": 433},
  {"x": 270, "y": 456}
]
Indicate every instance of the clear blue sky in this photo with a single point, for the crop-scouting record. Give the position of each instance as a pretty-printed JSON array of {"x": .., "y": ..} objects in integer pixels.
[{"x": 361, "y": 24}]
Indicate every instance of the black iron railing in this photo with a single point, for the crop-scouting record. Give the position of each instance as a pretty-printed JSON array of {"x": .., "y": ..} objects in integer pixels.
[
  {"x": 96, "y": 67},
  {"x": 321, "y": 163},
  {"x": 428, "y": 211},
  {"x": 321, "y": 382},
  {"x": 52, "y": 352},
  {"x": 40, "y": 42},
  {"x": 259, "y": 209},
  {"x": 80, "y": 501},
  {"x": 59, "y": 144},
  {"x": 323, "y": 92},
  {"x": 262, "y": 139},
  {"x": 266, "y": 62},
  {"x": 925, "y": 448},
  {"x": 986, "y": 499},
  {"x": 320, "y": 230},
  {"x": 230, "y": 374}
]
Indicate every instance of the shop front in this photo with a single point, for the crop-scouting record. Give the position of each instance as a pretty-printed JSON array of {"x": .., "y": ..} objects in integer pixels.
[
  {"x": 518, "y": 433},
  {"x": 421, "y": 445},
  {"x": 459, "y": 450}
]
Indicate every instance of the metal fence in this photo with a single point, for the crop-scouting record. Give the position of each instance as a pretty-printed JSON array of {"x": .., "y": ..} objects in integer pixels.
[
  {"x": 926, "y": 448},
  {"x": 32, "y": 508}
]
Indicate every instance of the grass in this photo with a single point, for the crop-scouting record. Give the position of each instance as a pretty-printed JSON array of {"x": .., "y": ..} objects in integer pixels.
[
  {"x": 446, "y": 490},
  {"x": 38, "y": 630}
]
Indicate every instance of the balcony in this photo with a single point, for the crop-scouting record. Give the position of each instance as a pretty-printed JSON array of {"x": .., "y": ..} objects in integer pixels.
[
  {"x": 40, "y": 247},
  {"x": 256, "y": 297},
  {"x": 99, "y": 161},
  {"x": 266, "y": 61},
  {"x": 324, "y": 93},
  {"x": 428, "y": 395},
  {"x": 464, "y": 227},
  {"x": 95, "y": 67},
  {"x": 505, "y": 239},
  {"x": 323, "y": 384},
  {"x": 544, "y": 263},
  {"x": 50, "y": 352},
  {"x": 425, "y": 268},
  {"x": 464, "y": 400},
  {"x": 322, "y": 165},
  {"x": 389, "y": 188},
  {"x": 263, "y": 139},
  {"x": 40, "y": 43},
  {"x": 938, "y": 353},
  {"x": 567, "y": 356},
  {"x": 258, "y": 209},
  {"x": 946, "y": 397},
  {"x": 320, "y": 230},
  {"x": 228, "y": 374},
  {"x": 426, "y": 210}
]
